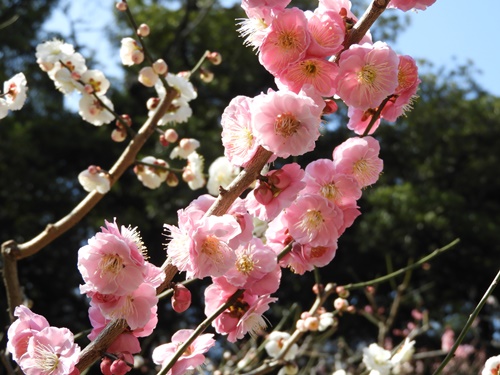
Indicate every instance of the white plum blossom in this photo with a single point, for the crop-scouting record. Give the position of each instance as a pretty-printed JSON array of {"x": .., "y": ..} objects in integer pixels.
[
  {"x": 66, "y": 74},
  {"x": 276, "y": 341},
  {"x": 221, "y": 173},
  {"x": 50, "y": 52},
  {"x": 193, "y": 172},
  {"x": 152, "y": 177},
  {"x": 93, "y": 178},
  {"x": 95, "y": 82},
  {"x": 13, "y": 95},
  {"x": 186, "y": 147},
  {"x": 326, "y": 320},
  {"x": 94, "y": 112},
  {"x": 182, "y": 85},
  {"x": 492, "y": 366},
  {"x": 130, "y": 52},
  {"x": 377, "y": 360},
  {"x": 179, "y": 110}
]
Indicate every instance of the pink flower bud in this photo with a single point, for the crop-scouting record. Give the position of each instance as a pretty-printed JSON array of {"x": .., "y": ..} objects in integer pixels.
[
  {"x": 121, "y": 6},
  {"x": 263, "y": 194},
  {"x": 330, "y": 107},
  {"x": 160, "y": 67},
  {"x": 93, "y": 169},
  {"x": 106, "y": 366},
  {"x": 147, "y": 76},
  {"x": 143, "y": 30},
  {"x": 120, "y": 367},
  {"x": 279, "y": 179},
  {"x": 214, "y": 57},
  {"x": 188, "y": 175},
  {"x": 189, "y": 144},
  {"x": 181, "y": 300},
  {"x": 171, "y": 135},
  {"x": 163, "y": 140}
]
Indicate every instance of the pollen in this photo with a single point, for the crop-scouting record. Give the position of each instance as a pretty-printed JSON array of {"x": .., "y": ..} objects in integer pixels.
[
  {"x": 286, "y": 124},
  {"x": 318, "y": 251},
  {"x": 330, "y": 191},
  {"x": 287, "y": 40},
  {"x": 309, "y": 68},
  {"x": 111, "y": 263},
  {"x": 46, "y": 360},
  {"x": 312, "y": 220},
  {"x": 245, "y": 264},
  {"x": 211, "y": 248},
  {"x": 367, "y": 75}
]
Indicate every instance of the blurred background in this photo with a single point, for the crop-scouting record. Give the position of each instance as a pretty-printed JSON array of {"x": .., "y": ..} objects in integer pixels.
[{"x": 440, "y": 182}]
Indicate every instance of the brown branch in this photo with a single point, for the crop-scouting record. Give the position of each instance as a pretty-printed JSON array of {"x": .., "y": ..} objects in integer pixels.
[{"x": 12, "y": 252}]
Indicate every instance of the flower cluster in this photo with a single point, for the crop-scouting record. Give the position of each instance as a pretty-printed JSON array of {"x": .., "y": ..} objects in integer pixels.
[
  {"x": 121, "y": 285},
  {"x": 39, "y": 348},
  {"x": 304, "y": 51},
  {"x": 69, "y": 72},
  {"x": 14, "y": 94}
]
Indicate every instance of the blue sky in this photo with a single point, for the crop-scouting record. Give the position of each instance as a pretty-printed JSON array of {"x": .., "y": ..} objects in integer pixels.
[{"x": 449, "y": 33}]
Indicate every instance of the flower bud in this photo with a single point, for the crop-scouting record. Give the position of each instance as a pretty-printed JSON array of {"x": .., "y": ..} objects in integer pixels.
[
  {"x": 118, "y": 135},
  {"x": 279, "y": 179},
  {"x": 163, "y": 140},
  {"x": 147, "y": 76},
  {"x": 214, "y": 57},
  {"x": 301, "y": 326},
  {"x": 137, "y": 56},
  {"x": 263, "y": 194},
  {"x": 119, "y": 367},
  {"x": 181, "y": 300},
  {"x": 143, "y": 30},
  {"x": 152, "y": 103},
  {"x": 206, "y": 75},
  {"x": 340, "y": 304},
  {"x": 171, "y": 135},
  {"x": 172, "y": 179},
  {"x": 121, "y": 6},
  {"x": 160, "y": 67},
  {"x": 330, "y": 107}
]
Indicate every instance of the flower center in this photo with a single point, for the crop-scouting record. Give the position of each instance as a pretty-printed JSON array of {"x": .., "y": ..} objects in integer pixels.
[
  {"x": 286, "y": 40},
  {"x": 286, "y": 124},
  {"x": 309, "y": 68},
  {"x": 245, "y": 264},
  {"x": 46, "y": 360},
  {"x": 312, "y": 220},
  {"x": 329, "y": 191},
  {"x": 367, "y": 75},
  {"x": 111, "y": 263}
]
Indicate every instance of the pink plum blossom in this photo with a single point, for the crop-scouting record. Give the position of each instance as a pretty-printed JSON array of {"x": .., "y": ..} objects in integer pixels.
[
  {"x": 255, "y": 28},
  {"x": 256, "y": 268},
  {"x": 285, "y": 123},
  {"x": 237, "y": 136},
  {"x": 321, "y": 178},
  {"x": 192, "y": 356},
  {"x": 286, "y": 41},
  {"x": 210, "y": 254},
  {"x": 358, "y": 157},
  {"x": 270, "y": 197},
  {"x": 135, "y": 307},
  {"x": 359, "y": 120},
  {"x": 327, "y": 29},
  {"x": 313, "y": 220},
  {"x": 113, "y": 261},
  {"x": 367, "y": 75},
  {"x": 245, "y": 315},
  {"x": 406, "y": 5},
  {"x": 22, "y": 329},
  {"x": 50, "y": 351},
  {"x": 318, "y": 73}
]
